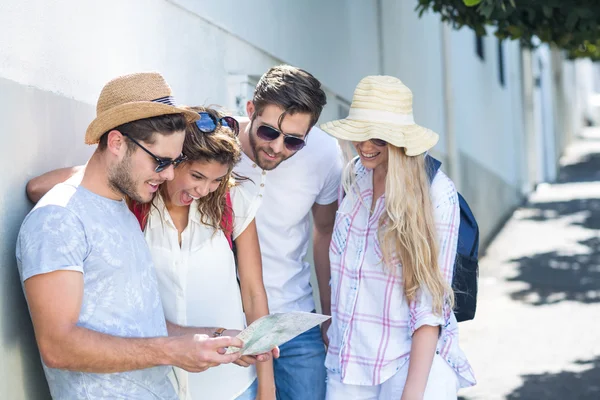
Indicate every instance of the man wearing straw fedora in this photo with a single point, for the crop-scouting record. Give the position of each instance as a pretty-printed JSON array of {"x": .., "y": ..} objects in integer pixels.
[
  {"x": 86, "y": 270},
  {"x": 296, "y": 171}
]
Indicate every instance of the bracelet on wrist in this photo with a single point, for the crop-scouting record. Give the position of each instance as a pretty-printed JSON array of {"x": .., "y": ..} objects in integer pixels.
[{"x": 218, "y": 332}]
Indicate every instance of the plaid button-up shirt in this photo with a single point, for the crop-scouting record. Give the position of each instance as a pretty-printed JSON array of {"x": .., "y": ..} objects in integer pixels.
[{"x": 372, "y": 325}]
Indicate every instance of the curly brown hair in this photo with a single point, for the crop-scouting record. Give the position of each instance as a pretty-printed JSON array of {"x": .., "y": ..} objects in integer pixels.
[{"x": 221, "y": 146}]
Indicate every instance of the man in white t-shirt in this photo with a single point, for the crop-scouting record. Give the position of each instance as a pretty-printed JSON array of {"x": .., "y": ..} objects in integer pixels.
[{"x": 296, "y": 170}]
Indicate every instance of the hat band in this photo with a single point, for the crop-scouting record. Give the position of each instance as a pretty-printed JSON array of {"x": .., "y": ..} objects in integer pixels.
[
  {"x": 168, "y": 100},
  {"x": 365, "y": 114}
]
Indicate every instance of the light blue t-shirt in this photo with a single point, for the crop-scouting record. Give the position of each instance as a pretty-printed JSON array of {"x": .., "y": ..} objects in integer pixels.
[{"x": 74, "y": 229}]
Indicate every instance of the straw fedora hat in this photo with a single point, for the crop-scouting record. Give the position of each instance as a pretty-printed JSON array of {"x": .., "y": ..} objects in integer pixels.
[
  {"x": 382, "y": 109},
  {"x": 132, "y": 97}
]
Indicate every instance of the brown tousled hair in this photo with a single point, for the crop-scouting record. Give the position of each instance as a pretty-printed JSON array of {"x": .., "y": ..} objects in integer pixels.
[
  {"x": 293, "y": 89},
  {"x": 221, "y": 146}
]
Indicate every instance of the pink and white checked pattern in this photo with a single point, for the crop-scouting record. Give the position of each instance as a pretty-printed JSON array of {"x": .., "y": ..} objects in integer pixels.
[{"x": 372, "y": 322}]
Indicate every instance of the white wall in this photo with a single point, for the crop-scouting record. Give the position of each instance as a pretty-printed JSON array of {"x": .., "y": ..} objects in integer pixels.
[
  {"x": 487, "y": 126},
  {"x": 337, "y": 41},
  {"x": 412, "y": 51}
]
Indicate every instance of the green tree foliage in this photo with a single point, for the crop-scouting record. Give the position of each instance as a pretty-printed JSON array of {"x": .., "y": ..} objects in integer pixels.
[{"x": 572, "y": 25}]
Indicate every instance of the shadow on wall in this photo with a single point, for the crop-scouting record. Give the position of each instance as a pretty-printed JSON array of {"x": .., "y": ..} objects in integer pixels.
[
  {"x": 16, "y": 329},
  {"x": 584, "y": 385}
]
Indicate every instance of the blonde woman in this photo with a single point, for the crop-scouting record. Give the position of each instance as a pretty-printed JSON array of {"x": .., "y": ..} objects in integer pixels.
[{"x": 393, "y": 333}]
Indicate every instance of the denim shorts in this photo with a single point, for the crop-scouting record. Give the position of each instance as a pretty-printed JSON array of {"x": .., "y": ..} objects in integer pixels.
[{"x": 250, "y": 393}]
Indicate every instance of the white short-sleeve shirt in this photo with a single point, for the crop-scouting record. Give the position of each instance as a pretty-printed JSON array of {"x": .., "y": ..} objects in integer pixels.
[
  {"x": 198, "y": 287},
  {"x": 283, "y": 219}
]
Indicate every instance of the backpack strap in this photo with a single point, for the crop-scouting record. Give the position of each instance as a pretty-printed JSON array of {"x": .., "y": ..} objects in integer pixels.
[
  {"x": 227, "y": 219},
  {"x": 141, "y": 212},
  {"x": 432, "y": 166}
]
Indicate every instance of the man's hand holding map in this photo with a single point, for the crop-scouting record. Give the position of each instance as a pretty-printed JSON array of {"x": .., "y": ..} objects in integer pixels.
[{"x": 273, "y": 330}]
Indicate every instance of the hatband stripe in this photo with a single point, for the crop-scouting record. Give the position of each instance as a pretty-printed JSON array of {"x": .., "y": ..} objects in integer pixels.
[
  {"x": 364, "y": 114},
  {"x": 168, "y": 100}
]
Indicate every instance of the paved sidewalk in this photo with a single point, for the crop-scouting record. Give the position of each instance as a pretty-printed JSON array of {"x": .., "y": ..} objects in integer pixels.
[{"x": 537, "y": 330}]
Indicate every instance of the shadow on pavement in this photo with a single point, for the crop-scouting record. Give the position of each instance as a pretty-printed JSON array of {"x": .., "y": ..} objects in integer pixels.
[
  {"x": 554, "y": 277},
  {"x": 589, "y": 210},
  {"x": 562, "y": 385},
  {"x": 587, "y": 170}
]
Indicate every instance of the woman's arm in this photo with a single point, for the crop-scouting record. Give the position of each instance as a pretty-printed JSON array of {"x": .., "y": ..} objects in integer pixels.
[
  {"x": 422, "y": 350},
  {"x": 254, "y": 298},
  {"x": 426, "y": 325}
]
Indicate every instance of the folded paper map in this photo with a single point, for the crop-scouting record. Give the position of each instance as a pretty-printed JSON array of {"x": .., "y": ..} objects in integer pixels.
[{"x": 274, "y": 330}]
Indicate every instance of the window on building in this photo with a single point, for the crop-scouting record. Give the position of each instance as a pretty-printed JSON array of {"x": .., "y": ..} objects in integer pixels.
[
  {"x": 479, "y": 49},
  {"x": 501, "y": 77}
]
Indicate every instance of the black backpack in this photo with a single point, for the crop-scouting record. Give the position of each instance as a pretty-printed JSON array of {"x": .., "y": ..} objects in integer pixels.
[{"x": 466, "y": 267}]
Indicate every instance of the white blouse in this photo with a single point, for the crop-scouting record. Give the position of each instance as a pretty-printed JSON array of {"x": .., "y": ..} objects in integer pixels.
[{"x": 198, "y": 287}]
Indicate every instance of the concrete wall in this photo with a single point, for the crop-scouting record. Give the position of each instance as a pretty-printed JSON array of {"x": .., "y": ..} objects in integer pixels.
[
  {"x": 337, "y": 41},
  {"x": 412, "y": 51},
  {"x": 40, "y": 131},
  {"x": 488, "y": 123},
  {"x": 459, "y": 96}
]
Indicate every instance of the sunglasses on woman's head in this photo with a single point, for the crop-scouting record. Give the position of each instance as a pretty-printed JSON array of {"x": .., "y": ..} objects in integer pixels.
[
  {"x": 163, "y": 162},
  {"x": 208, "y": 123},
  {"x": 292, "y": 143}
]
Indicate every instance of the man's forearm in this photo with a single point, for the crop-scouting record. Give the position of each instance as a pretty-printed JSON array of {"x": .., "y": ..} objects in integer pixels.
[
  {"x": 322, "y": 268},
  {"x": 90, "y": 351},
  {"x": 256, "y": 306}
]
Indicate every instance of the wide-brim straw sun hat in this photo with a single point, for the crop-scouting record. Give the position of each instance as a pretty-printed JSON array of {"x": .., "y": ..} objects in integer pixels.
[
  {"x": 132, "y": 97},
  {"x": 382, "y": 108}
]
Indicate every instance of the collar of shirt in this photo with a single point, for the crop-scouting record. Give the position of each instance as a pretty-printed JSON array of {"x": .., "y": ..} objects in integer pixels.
[{"x": 161, "y": 214}]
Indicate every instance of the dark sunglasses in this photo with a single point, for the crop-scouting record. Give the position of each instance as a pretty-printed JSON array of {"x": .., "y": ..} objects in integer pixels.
[
  {"x": 379, "y": 142},
  {"x": 292, "y": 143},
  {"x": 209, "y": 123},
  {"x": 163, "y": 163}
]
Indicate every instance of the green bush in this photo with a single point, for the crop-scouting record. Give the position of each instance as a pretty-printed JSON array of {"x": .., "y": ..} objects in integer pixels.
[{"x": 572, "y": 25}]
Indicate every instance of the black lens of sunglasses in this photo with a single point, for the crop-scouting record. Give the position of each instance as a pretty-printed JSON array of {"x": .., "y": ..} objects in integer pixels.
[
  {"x": 292, "y": 143},
  {"x": 267, "y": 133},
  {"x": 379, "y": 142},
  {"x": 232, "y": 124}
]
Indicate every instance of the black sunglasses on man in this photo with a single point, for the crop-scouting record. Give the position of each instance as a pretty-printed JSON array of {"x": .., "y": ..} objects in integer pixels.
[{"x": 163, "y": 162}]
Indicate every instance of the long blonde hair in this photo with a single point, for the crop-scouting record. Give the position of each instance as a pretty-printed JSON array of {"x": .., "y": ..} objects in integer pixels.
[{"x": 407, "y": 232}]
